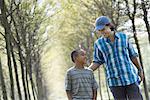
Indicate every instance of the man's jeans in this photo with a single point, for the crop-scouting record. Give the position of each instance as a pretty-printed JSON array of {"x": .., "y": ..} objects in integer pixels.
[{"x": 128, "y": 92}]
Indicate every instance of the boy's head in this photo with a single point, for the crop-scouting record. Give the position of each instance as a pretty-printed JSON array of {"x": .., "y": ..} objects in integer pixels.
[{"x": 79, "y": 56}]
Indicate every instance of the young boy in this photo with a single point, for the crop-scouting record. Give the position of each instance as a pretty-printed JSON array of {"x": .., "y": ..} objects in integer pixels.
[{"x": 80, "y": 83}]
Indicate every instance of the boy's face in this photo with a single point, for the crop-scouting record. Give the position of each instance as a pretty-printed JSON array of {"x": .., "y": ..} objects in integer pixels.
[
  {"x": 105, "y": 31},
  {"x": 81, "y": 58}
]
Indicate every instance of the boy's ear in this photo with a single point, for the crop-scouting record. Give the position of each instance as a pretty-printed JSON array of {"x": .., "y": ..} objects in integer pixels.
[{"x": 75, "y": 58}]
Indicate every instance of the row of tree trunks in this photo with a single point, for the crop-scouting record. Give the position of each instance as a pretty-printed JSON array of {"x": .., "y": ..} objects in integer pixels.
[
  {"x": 7, "y": 28},
  {"x": 132, "y": 18},
  {"x": 22, "y": 64},
  {"x": 15, "y": 44},
  {"x": 16, "y": 70}
]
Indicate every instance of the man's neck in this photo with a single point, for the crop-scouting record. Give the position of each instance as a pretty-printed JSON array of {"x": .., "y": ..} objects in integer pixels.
[{"x": 112, "y": 37}]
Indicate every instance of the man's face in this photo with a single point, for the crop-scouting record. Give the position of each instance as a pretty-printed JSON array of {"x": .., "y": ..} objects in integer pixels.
[{"x": 105, "y": 31}]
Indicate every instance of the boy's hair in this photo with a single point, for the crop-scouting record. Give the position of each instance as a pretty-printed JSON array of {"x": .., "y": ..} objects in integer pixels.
[{"x": 74, "y": 54}]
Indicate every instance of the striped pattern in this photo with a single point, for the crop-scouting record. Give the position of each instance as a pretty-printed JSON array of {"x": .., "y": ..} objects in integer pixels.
[
  {"x": 81, "y": 83},
  {"x": 120, "y": 70}
]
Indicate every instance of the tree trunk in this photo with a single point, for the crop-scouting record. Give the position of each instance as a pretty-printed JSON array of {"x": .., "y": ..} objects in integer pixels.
[
  {"x": 145, "y": 12},
  {"x": 22, "y": 72},
  {"x": 27, "y": 82},
  {"x": 16, "y": 70},
  {"x": 20, "y": 59},
  {"x": 3, "y": 83},
  {"x": 100, "y": 89},
  {"x": 32, "y": 83},
  {"x": 88, "y": 50},
  {"x": 132, "y": 18},
  {"x": 40, "y": 87},
  {"x": 140, "y": 57},
  {"x": 29, "y": 49},
  {"x": 6, "y": 26}
]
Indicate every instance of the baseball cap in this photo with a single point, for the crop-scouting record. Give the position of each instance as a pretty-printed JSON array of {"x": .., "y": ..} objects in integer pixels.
[{"x": 101, "y": 22}]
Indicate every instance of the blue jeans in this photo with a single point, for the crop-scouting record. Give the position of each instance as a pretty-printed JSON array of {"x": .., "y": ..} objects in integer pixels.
[{"x": 128, "y": 92}]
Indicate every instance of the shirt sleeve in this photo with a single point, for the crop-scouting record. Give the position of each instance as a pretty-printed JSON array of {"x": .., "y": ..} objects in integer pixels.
[
  {"x": 68, "y": 81},
  {"x": 97, "y": 55},
  {"x": 132, "y": 52}
]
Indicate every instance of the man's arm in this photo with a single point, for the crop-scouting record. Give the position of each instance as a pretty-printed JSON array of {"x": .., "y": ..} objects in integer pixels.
[
  {"x": 138, "y": 65},
  {"x": 69, "y": 94},
  {"x": 133, "y": 55},
  {"x": 94, "y": 66}
]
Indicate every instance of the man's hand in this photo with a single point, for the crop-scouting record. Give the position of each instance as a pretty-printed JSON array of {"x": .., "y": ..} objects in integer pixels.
[
  {"x": 141, "y": 74},
  {"x": 138, "y": 66},
  {"x": 94, "y": 66}
]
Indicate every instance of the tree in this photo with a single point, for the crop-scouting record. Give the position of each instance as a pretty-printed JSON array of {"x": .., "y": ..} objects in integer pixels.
[
  {"x": 6, "y": 26},
  {"x": 145, "y": 7},
  {"x": 132, "y": 15},
  {"x": 3, "y": 83},
  {"x": 24, "y": 40}
]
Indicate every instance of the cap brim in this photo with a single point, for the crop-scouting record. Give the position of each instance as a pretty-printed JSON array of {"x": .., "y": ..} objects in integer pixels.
[{"x": 99, "y": 27}]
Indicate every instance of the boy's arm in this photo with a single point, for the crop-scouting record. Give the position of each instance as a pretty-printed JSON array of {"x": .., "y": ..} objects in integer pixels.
[
  {"x": 94, "y": 86},
  {"x": 68, "y": 86},
  {"x": 69, "y": 94},
  {"x": 94, "y": 94}
]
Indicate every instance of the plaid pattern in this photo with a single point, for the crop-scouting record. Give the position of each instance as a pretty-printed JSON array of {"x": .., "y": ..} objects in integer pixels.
[
  {"x": 81, "y": 83},
  {"x": 120, "y": 70}
]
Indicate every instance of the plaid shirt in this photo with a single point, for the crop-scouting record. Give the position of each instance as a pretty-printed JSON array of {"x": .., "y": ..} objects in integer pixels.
[{"x": 120, "y": 70}]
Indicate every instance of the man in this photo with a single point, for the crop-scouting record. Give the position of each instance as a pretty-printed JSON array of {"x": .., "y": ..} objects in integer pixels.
[{"x": 117, "y": 53}]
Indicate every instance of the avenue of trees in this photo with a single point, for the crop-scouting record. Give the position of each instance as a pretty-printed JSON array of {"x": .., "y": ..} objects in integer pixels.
[{"x": 32, "y": 32}]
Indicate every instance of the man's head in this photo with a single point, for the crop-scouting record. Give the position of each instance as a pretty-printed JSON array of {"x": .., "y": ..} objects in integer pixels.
[
  {"x": 101, "y": 22},
  {"x": 104, "y": 26},
  {"x": 78, "y": 55}
]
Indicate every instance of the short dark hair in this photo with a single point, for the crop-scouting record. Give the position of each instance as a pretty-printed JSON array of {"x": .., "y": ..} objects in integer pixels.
[{"x": 74, "y": 54}]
